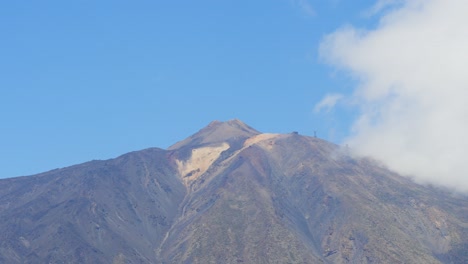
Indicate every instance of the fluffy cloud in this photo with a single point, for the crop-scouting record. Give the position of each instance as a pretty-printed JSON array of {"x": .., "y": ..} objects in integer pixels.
[
  {"x": 328, "y": 102},
  {"x": 413, "y": 88}
]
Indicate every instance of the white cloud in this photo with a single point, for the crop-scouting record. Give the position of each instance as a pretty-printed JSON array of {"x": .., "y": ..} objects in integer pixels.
[
  {"x": 413, "y": 87},
  {"x": 327, "y": 103},
  {"x": 382, "y": 5},
  {"x": 305, "y": 7}
]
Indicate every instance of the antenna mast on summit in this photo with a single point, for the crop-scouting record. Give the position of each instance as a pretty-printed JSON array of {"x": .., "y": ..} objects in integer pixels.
[{"x": 315, "y": 133}]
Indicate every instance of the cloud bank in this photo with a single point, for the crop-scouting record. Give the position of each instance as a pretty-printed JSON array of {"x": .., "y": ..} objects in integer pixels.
[{"x": 412, "y": 90}]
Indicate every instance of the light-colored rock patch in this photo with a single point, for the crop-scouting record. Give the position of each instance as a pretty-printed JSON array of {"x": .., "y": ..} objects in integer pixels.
[
  {"x": 199, "y": 162},
  {"x": 202, "y": 158},
  {"x": 266, "y": 139},
  {"x": 263, "y": 140}
]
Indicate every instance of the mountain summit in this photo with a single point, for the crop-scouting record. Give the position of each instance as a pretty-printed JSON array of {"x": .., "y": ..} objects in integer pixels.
[
  {"x": 217, "y": 132},
  {"x": 230, "y": 194}
]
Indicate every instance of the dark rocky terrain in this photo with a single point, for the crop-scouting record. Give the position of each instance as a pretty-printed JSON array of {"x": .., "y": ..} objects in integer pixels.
[{"x": 229, "y": 194}]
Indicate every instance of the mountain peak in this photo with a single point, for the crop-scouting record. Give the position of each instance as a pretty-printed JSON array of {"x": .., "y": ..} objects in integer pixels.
[
  {"x": 232, "y": 122},
  {"x": 217, "y": 132},
  {"x": 235, "y": 121},
  {"x": 229, "y": 194}
]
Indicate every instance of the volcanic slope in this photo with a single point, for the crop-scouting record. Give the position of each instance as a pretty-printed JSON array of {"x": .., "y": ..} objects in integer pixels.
[{"x": 230, "y": 194}]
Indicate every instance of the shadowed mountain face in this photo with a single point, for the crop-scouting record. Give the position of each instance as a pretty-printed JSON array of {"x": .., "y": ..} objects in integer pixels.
[{"x": 230, "y": 194}]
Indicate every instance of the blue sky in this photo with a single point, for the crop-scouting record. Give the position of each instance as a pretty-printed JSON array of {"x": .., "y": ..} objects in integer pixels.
[{"x": 83, "y": 80}]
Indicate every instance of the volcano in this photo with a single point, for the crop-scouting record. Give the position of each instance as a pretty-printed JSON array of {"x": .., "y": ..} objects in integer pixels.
[{"x": 231, "y": 194}]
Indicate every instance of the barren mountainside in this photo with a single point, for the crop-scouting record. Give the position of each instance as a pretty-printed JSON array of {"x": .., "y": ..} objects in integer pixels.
[{"x": 230, "y": 194}]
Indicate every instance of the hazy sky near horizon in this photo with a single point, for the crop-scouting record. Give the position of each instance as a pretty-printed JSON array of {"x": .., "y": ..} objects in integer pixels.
[{"x": 83, "y": 80}]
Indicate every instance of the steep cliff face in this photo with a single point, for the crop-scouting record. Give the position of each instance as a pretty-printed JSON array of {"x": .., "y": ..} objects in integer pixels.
[{"x": 230, "y": 194}]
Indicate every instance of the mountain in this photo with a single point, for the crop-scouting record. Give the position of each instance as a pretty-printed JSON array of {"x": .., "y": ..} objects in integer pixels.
[{"x": 230, "y": 194}]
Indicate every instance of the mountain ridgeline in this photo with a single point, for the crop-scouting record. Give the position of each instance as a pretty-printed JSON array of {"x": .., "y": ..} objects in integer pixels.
[{"x": 230, "y": 194}]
